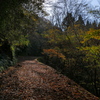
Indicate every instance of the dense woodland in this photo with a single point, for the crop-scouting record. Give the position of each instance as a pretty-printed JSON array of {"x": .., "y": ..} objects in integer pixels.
[{"x": 72, "y": 46}]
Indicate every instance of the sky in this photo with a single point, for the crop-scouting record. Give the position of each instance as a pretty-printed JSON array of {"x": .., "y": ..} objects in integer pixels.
[{"x": 92, "y": 4}]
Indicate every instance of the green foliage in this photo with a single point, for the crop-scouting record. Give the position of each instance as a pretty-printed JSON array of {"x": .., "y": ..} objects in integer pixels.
[
  {"x": 92, "y": 34},
  {"x": 5, "y": 62},
  {"x": 15, "y": 22},
  {"x": 91, "y": 49}
]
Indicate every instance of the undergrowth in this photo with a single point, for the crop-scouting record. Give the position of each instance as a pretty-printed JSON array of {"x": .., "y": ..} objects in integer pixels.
[{"x": 5, "y": 62}]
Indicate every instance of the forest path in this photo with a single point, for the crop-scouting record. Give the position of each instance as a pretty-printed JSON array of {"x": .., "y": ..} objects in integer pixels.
[{"x": 32, "y": 80}]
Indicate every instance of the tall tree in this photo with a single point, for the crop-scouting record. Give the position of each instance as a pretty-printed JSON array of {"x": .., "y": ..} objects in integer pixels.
[{"x": 68, "y": 20}]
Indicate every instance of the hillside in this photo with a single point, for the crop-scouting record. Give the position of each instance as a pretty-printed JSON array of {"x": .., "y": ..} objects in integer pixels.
[{"x": 32, "y": 80}]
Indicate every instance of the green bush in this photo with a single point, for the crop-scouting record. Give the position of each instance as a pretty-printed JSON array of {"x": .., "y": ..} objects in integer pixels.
[{"x": 5, "y": 62}]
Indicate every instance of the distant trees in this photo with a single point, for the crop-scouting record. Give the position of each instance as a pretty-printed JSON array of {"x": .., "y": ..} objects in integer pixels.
[
  {"x": 66, "y": 7},
  {"x": 69, "y": 20}
]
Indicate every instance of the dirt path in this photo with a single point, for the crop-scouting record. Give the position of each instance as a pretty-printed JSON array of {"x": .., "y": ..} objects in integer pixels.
[{"x": 32, "y": 80}]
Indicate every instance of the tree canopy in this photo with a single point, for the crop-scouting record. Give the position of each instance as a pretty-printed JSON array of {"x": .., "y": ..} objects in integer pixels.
[{"x": 15, "y": 17}]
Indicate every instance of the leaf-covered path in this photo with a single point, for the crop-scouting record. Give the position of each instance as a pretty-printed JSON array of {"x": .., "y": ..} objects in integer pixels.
[{"x": 32, "y": 80}]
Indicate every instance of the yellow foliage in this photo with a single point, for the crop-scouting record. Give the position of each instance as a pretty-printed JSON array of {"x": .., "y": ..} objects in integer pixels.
[
  {"x": 53, "y": 53},
  {"x": 92, "y": 34}
]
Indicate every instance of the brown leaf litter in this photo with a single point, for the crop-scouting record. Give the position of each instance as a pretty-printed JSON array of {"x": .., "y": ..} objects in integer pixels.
[{"x": 32, "y": 80}]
